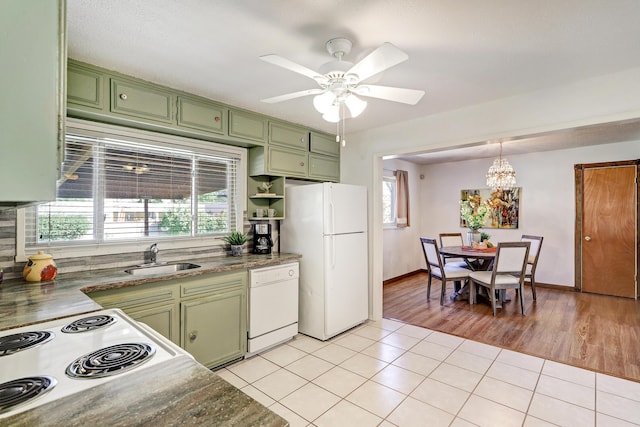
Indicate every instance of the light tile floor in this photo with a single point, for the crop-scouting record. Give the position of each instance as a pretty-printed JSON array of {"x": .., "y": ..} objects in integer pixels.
[{"x": 391, "y": 374}]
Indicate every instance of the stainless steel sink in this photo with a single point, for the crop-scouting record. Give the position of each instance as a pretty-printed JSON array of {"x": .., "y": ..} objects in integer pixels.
[{"x": 161, "y": 268}]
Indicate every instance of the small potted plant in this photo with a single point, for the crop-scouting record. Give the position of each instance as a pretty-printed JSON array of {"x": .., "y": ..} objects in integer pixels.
[{"x": 236, "y": 240}]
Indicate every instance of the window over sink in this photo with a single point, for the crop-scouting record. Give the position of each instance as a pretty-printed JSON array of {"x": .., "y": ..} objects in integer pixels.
[{"x": 122, "y": 185}]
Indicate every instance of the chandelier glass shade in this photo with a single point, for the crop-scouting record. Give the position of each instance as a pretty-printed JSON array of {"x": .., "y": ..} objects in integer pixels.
[{"x": 501, "y": 175}]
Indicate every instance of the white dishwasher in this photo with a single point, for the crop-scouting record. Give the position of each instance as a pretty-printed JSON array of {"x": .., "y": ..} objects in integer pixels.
[{"x": 273, "y": 306}]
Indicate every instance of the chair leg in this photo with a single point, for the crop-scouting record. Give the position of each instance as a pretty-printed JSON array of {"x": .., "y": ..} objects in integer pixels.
[
  {"x": 472, "y": 291},
  {"x": 443, "y": 290},
  {"x": 429, "y": 288},
  {"x": 533, "y": 285},
  {"x": 522, "y": 299},
  {"x": 492, "y": 296}
]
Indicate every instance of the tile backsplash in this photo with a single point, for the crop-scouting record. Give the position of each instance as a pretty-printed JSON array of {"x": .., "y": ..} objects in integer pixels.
[{"x": 97, "y": 262}]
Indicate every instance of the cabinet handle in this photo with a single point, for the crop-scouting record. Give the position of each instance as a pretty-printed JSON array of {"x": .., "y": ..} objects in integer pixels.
[
  {"x": 193, "y": 335},
  {"x": 588, "y": 238},
  {"x": 123, "y": 96},
  {"x": 217, "y": 118},
  {"x": 302, "y": 140},
  {"x": 301, "y": 163}
]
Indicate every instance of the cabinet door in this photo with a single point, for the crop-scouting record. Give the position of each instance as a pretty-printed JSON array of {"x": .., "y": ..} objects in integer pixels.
[
  {"x": 32, "y": 101},
  {"x": 287, "y": 162},
  {"x": 84, "y": 86},
  {"x": 141, "y": 101},
  {"x": 201, "y": 115},
  {"x": 324, "y": 144},
  {"x": 162, "y": 319},
  {"x": 247, "y": 126},
  {"x": 289, "y": 136},
  {"x": 214, "y": 329},
  {"x": 324, "y": 167}
]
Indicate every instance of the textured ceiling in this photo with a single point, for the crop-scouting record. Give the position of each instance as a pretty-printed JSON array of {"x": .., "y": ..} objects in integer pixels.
[{"x": 460, "y": 52}]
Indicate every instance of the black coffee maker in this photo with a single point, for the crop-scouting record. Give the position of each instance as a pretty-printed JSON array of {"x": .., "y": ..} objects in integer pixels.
[{"x": 262, "y": 242}]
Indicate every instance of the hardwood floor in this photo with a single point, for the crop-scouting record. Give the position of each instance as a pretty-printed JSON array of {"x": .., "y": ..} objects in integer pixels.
[{"x": 590, "y": 331}]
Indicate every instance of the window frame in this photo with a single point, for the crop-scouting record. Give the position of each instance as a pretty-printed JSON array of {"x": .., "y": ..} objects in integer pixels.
[{"x": 76, "y": 249}]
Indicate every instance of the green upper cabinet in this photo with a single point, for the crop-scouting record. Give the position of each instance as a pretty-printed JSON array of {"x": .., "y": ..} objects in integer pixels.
[
  {"x": 276, "y": 148},
  {"x": 289, "y": 136},
  {"x": 245, "y": 125},
  {"x": 139, "y": 100},
  {"x": 202, "y": 115},
  {"x": 324, "y": 144},
  {"x": 324, "y": 168},
  {"x": 85, "y": 87},
  {"x": 33, "y": 50}
]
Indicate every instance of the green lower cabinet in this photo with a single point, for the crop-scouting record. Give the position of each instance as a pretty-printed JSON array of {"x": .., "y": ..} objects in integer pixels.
[
  {"x": 163, "y": 319},
  {"x": 156, "y": 305},
  {"x": 205, "y": 315},
  {"x": 214, "y": 328}
]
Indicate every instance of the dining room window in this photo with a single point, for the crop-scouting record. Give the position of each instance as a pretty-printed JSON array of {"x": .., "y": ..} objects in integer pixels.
[
  {"x": 120, "y": 186},
  {"x": 389, "y": 201}
]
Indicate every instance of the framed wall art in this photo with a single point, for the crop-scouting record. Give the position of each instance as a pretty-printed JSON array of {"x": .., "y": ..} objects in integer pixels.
[{"x": 503, "y": 206}]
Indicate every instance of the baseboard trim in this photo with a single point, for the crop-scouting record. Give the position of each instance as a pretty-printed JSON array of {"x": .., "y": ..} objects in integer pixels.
[{"x": 403, "y": 276}]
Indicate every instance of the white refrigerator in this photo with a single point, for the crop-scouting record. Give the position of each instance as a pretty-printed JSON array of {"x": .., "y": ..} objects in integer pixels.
[{"x": 327, "y": 224}]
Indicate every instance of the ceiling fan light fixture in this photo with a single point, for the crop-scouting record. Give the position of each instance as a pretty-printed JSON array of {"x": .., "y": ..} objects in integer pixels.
[
  {"x": 333, "y": 114},
  {"x": 355, "y": 105},
  {"x": 324, "y": 101}
]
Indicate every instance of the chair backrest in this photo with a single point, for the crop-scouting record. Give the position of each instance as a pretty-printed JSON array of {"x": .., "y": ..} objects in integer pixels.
[
  {"x": 451, "y": 239},
  {"x": 511, "y": 258},
  {"x": 431, "y": 253},
  {"x": 534, "y": 251}
]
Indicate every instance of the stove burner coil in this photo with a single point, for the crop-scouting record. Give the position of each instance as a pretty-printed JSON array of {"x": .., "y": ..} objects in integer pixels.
[
  {"x": 11, "y": 344},
  {"x": 110, "y": 360},
  {"x": 23, "y": 390},
  {"x": 89, "y": 323}
]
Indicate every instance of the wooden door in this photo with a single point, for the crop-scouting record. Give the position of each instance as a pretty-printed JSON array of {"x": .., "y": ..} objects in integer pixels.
[{"x": 607, "y": 228}]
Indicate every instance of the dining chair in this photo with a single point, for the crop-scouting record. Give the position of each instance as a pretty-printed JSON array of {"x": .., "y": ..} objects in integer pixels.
[
  {"x": 532, "y": 261},
  {"x": 508, "y": 272},
  {"x": 436, "y": 268},
  {"x": 452, "y": 239}
]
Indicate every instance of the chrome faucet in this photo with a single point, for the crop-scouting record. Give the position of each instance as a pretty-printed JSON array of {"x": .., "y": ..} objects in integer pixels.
[{"x": 153, "y": 253}]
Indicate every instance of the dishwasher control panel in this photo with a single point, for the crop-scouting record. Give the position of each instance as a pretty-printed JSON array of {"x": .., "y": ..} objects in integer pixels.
[{"x": 276, "y": 273}]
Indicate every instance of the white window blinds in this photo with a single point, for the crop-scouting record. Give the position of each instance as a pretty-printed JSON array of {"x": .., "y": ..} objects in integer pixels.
[{"x": 119, "y": 187}]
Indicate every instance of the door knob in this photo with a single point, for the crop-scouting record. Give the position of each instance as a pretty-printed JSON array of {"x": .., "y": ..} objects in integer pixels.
[
  {"x": 587, "y": 238},
  {"x": 193, "y": 335}
]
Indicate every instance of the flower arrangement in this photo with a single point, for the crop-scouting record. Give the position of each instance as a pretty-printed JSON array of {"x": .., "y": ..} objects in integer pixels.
[{"x": 474, "y": 212}]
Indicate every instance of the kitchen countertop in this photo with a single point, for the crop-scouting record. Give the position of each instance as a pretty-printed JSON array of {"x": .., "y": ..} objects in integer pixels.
[
  {"x": 178, "y": 392},
  {"x": 25, "y": 303},
  {"x": 187, "y": 394}
]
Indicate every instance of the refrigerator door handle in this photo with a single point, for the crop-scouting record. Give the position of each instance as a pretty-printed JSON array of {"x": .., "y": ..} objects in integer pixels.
[
  {"x": 333, "y": 218},
  {"x": 333, "y": 252}
]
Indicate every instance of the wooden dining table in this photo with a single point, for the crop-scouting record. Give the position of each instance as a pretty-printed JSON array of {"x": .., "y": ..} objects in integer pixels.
[{"x": 476, "y": 260}]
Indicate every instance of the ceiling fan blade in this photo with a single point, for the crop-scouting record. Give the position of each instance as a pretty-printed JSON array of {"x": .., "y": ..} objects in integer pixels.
[
  {"x": 293, "y": 95},
  {"x": 292, "y": 66},
  {"x": 396, "y": 94},
  {"x": 386, "y": 56}
]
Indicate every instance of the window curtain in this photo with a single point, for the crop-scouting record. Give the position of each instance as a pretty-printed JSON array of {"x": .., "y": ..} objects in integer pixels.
[{"x": 402, "y": 198}]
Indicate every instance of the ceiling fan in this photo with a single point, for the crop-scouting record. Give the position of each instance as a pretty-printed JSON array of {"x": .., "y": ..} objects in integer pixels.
[{"x": 340, "y": 81}]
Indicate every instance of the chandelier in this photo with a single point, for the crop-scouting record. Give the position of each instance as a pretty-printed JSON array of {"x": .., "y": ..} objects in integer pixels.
[{"x": 501, "y": 175}]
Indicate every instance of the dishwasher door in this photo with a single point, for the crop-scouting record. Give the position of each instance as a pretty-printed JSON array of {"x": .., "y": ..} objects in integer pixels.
[{"x": 273, "y": 305}]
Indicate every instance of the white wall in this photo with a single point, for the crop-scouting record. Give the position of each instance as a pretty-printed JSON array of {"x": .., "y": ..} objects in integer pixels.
[
  {"x": 399, "y": 247},
  {"x": 598, "y": 100},
  {"x": 547, "y": 201}
]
